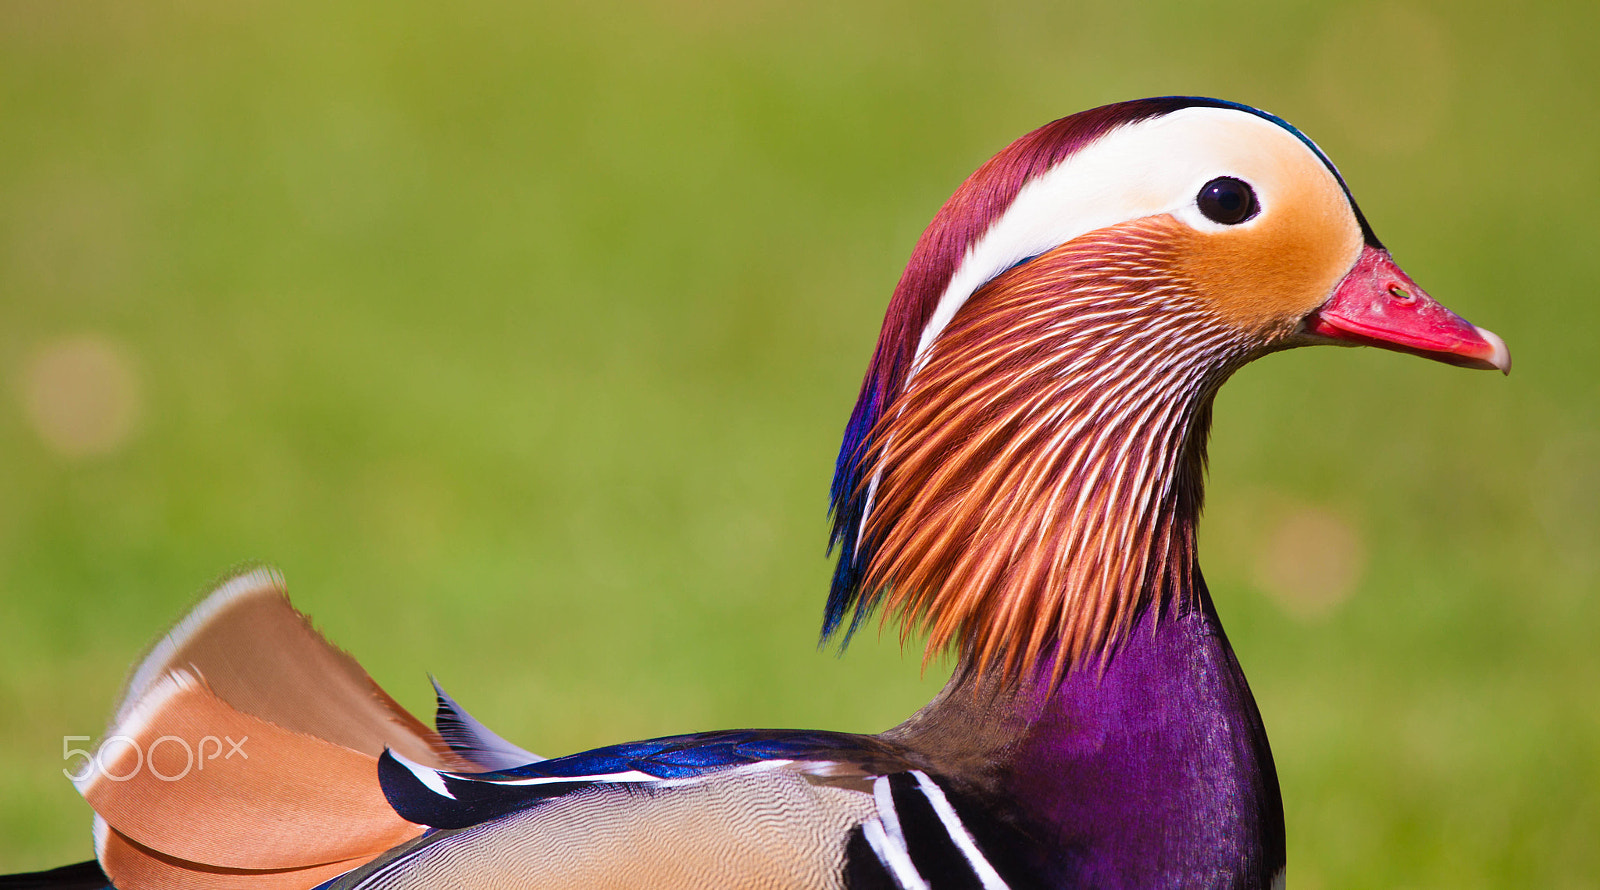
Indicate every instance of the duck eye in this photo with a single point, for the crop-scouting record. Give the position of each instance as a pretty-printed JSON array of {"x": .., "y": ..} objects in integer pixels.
[{"x": 1227, "y": 200}]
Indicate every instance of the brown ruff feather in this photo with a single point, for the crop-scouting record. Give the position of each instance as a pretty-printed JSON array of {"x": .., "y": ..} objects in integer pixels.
[{"x": 1040, "y": 477}]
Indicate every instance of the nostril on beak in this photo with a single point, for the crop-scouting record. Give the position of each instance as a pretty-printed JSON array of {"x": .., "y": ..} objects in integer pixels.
[{"x": 1400, "y": 293}]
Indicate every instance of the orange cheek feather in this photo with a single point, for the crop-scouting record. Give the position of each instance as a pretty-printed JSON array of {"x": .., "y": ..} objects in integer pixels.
[{"x": 1265, "y": 276}]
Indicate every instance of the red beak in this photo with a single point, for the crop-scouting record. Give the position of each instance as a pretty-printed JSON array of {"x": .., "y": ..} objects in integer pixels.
[{"x": 1377, "y": 304}]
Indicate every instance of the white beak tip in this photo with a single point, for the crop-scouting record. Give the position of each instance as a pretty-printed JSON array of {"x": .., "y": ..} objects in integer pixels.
[{"x": 1500, "y": 356}]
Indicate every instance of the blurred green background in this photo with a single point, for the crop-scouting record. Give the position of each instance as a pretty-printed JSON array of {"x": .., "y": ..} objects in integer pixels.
[{"x": 521, "y": 337}]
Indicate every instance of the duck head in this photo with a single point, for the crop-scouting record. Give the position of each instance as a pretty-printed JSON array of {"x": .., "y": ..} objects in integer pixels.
[{"x": 1024, "y": 467}]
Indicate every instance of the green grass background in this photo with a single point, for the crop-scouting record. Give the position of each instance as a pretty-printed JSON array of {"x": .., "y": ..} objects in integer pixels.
[{"x": 520, "y": 337}]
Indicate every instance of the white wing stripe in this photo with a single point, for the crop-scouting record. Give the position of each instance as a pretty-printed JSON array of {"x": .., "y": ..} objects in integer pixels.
[
  {"x": 431, "y": 778},
  {"x": 629, "y": 776},
  {"x": 624, "y": 777}
]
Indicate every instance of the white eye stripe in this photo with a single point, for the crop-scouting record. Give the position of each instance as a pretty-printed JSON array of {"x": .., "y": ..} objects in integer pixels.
[{"x": 1153, "y": 167}]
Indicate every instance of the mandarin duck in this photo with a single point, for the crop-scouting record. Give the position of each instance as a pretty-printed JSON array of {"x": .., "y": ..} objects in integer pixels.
[{"x": 1020, "y": 482}]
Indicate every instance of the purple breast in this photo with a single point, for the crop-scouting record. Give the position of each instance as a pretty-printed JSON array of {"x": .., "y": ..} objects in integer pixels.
[{"x": 1157, "y": 772}]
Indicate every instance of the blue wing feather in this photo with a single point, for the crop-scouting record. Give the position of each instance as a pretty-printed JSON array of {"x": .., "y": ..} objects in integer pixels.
[{"x": 473, "y": 798}]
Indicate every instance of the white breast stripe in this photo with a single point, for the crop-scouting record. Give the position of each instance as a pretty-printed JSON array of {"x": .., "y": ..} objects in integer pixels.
[
  {"x": 883, "y": 795},
  {"x": 896, "y": 859},
  {"x": 987, "y": 876}
]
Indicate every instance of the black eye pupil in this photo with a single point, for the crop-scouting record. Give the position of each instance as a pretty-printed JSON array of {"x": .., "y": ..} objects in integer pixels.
[{"x": 1227, "y": 200}]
